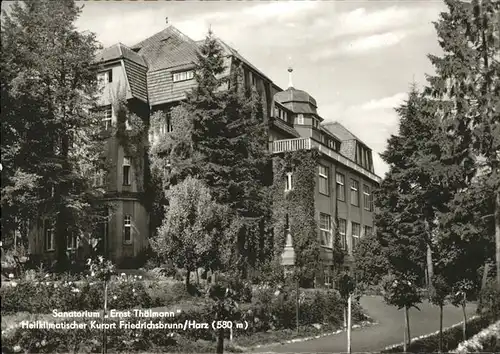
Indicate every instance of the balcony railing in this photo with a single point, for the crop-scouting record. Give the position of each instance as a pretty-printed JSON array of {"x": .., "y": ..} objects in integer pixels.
[{"x": 287, "y": 145}]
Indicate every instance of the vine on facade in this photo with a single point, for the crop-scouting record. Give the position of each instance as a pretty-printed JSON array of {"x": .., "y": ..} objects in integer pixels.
[{"x": 298, "y": 204}]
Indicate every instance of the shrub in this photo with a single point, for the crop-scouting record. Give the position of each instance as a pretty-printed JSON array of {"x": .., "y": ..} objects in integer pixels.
[
  {"x": 488, "y": 340},
  {"x": 489, "y": 302},
  {"x": 452, "y": 336}
]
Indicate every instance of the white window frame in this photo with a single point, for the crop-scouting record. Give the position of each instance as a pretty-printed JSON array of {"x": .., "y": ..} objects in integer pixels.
[
  {"x": 340, "y": 182},
  {"x": 343, "y": 233},
  {"x": 48, "y": 230},
  {"x": 127, "y": 225},
  {"x": 107, "y": 117},
  {"x": 367, "y": 198},
  {"x": 183, "y": 75},
  {"x": 356, "y": 190},
  {"x": 325, "y": 178},
  {"x": 326, "y": 233},
  {"x": 300, "y": 119},
  {"x": 355, "y": 238},
  {"x": 288, "y": 181},
  {"x": 126, "y": 163},
  {"x": 72, "y": 241}
]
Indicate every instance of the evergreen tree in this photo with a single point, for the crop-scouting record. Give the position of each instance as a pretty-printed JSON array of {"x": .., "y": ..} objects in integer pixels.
[
  {"x": 219, "y": 137},
  {"x": 49, "y": 148},
  {"x": 416, "y": 188},
  {"x": 467, "y": 83}
]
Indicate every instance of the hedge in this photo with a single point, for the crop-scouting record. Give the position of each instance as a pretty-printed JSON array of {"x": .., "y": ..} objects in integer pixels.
[{"x": 452, "y": 336}]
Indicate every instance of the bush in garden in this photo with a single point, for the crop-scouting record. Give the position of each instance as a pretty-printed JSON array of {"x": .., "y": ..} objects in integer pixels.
[
  {"x": 490, "y": 301},
  {"x": 486, "y": 341},
  {"x": 451, "y": 338}
]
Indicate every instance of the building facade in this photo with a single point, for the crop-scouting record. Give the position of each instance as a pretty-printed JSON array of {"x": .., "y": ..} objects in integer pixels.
[{"x": 154, "y": 75}]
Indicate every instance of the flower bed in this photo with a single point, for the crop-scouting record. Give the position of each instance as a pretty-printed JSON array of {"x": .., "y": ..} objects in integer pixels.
[
  {"x": 126, "y": 292},
  {"x": 269, "y": 310},
  {"x": 488, "y": 340},
  {"x": 452, "y": 336}
]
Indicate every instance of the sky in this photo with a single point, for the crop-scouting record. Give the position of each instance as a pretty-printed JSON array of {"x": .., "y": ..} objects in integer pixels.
[{"x": 356, "y": 58}]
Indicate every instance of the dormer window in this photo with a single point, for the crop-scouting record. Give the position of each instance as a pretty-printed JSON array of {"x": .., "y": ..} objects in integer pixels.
[
  {"x": 183, "y": 75},
  {"x": 300, "y": 119},
  {"x": 105, "y": 77}
]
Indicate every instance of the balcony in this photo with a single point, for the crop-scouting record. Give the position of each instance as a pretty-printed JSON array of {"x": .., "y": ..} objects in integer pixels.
[{"x": 288, "y": 145}]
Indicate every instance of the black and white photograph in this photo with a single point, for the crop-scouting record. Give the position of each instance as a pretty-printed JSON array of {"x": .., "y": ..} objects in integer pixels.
[{"x": 250, "y": 176}]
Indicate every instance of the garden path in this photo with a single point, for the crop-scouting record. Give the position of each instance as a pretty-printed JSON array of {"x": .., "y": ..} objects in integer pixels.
[{"x": 389, "y": 330}]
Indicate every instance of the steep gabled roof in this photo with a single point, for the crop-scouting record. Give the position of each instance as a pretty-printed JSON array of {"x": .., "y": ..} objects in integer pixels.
[
  {"x": 119, "y": 51},
  {"x": 342, "y": 132},
  {"x": 166, "y": 49},
  {"x": 228, "y": 50}
]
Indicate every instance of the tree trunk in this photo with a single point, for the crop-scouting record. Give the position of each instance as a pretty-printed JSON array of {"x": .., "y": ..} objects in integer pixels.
[
  {"x": 297, "y": 305},
  {"x": 404, "y": 332},
  {"x": 349, "y": 325},
  {"x": 441, "y": 328},
  {"x": 464, "y": 327},
  {"x": 407, "y": 321},
  {"x": 430, "y": 269},
  {"x": 104, "y": 313},
  {"x": 220, "y": 341},
  {"x": 197, "y": 277},
  {"x": 497, "y": 235},
  {"x": 345, "y": 318},
  {"x": 188, "y": 274}
]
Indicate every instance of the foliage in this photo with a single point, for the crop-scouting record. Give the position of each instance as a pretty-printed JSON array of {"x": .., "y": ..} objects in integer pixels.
[
  {"x": 451, "y": 338},
  {"x": 416, "y": 189},
  {"x": 370, "y": 261},
  {"x": 192, "y": 234},
  {"x": 219, "y": 138},
  {"x": 50, "y": 147},
  {"x": 467, "y": 87},
  {"x": 297, "y": 207},
  {"x": 490, "y": 302},
  {"x": 486, "y": 341},
  {"x": 401, "y": 291}
]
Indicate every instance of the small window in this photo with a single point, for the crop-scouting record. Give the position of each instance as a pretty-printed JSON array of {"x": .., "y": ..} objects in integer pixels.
[
  {"x": 367, "y": 198},
  {"x": 48, "y": 231},
  {"x": 126, "y": 171},
  {"x": 354, "y": 192},
  {"x": 99, "y": 178},
  {"x": 72, "y": 241},
  {"x": 288, "y": 182},
  {"x": 315, "y": 123},
  {"x": 300, "y": 119},
  {"x": 325, "y": 229},
  {"x": 323, "y": 180},
  {"x": 368, "y": 231},
  {"x": 183, "y": 76},
  {"x": 342, "y": 233},
  {"x": 356, "y": 228},
  {"x": 105, "y": 77},
  {"x": 106, "y": 115},
  {"x": 340, "y": 187},
  {"x": 127, "y": 229},
  {"x": 276, "y": 112}
]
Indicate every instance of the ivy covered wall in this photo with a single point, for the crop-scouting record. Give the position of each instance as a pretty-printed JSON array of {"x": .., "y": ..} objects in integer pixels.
[{"x": 298, "y": 204}]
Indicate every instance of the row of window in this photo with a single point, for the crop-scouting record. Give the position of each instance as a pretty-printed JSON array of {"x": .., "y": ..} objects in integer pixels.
[
  {"x": 324, "y": 187},
  {"x": 72, "y": 241},
  {"x": 323, "y": 173},
  {"x": 183, "y": 75},
  {"x": 281, "y": 114},
  {"x": 326, "y": 231}
]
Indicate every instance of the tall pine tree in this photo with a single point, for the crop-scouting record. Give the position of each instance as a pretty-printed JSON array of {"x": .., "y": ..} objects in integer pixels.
[
  {"x": 468, "y": 80},
  {"x": 219, "y": 137},
  {"x": 49, "y": 145}
]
